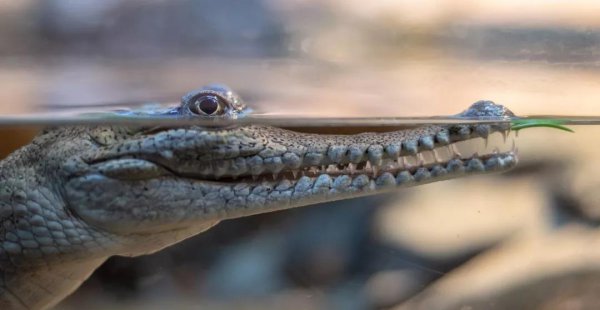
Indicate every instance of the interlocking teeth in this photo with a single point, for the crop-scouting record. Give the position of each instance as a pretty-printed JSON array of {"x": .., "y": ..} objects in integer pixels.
[
  {"x": 372, "y": 159},
  {"x": 379, "y": 161},
  {"x": 375, "y": 154},
  {"x": 415, "y": 162}
]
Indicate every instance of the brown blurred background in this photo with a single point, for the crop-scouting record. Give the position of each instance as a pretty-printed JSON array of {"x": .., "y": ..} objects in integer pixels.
[{"x": 525, "y": 239}]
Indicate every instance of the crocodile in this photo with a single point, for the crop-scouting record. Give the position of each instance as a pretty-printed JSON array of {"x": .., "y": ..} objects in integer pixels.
[{"x": 79, "y": 194}]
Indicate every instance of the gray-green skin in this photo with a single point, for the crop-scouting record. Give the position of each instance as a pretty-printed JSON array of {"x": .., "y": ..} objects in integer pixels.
[{"x": 78, "y": 195}]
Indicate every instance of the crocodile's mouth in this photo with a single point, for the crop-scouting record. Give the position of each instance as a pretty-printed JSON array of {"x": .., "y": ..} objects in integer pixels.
[
  {"x": 419, "y": 154},
  {"x": 496, "y": 152},
  {"x": 423, "y": 154},
  {"x": 256, "y": 153},
  {"x": 476, "y": 154}
]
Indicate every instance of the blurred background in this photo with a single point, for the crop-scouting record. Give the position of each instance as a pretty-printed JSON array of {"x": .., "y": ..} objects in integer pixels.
[{"x": 524, "y": 239}]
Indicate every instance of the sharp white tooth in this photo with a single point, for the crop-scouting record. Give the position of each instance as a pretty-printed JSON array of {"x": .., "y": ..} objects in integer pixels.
[
  {"x": 351, "y": 168},
  {"x": 455, "y": 150},
  {"x": 368, "y": 165},
  {"x": 436, "y": 156},
  {"x": 420, "y": 160},
  {"x": 405, "y": 163},
  {"x": 400, "y": 161},
  {"x": 332, "y": 168},
  {"x": 375, "y": 170},
  {"x": 275, "y": 176},
  {"x": 295, "y": 174}
]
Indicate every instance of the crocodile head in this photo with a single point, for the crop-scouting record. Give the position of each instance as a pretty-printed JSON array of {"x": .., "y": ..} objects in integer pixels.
[
  {"x": 77, "y": 195},
  {"x": 146, "y": 188},
  {"x": 149, "y": 181}
]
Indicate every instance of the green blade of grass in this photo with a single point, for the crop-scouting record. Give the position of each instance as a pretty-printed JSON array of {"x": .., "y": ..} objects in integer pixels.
[{"x": 530, "y": 123}]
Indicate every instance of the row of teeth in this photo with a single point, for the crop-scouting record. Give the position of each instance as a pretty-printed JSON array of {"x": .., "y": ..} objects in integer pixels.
[
  {"x": 453, "y": 167},
  {"x": 458, "y": 150},
  {"x": 276, "y": 158},
  {"x": 412, "y": 147}
]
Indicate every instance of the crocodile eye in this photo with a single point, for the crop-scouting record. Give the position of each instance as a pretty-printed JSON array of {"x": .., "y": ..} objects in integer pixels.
[{"x": 206, "y": 105}]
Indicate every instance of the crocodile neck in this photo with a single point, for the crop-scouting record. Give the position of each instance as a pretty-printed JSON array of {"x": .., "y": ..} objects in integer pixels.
[{"x": 78, "y": 195}]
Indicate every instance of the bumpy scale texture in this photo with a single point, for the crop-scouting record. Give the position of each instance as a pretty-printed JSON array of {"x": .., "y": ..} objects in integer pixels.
[{"x": 78, "y": 195}]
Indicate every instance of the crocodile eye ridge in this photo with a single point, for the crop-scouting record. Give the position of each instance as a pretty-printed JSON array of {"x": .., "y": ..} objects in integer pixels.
[{"x": 213, "y": 101}]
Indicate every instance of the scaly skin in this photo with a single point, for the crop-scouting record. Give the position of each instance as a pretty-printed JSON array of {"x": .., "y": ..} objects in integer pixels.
[{"x": 78, "y": 195}]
